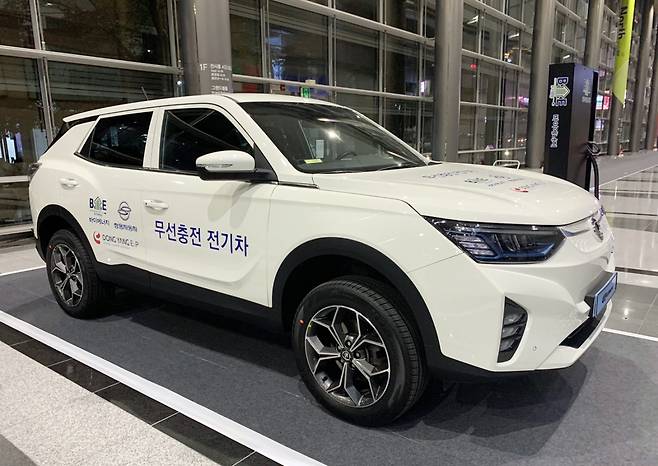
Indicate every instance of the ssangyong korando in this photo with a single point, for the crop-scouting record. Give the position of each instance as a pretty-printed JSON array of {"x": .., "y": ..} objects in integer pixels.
[{"x": 307, "y": 216}]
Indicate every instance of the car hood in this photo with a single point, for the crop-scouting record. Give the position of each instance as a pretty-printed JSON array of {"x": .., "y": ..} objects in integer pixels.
[{"x": 472, "y": 193}]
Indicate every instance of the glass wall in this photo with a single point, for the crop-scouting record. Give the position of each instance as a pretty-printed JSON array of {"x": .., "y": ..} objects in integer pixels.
[
  {"x": 121, "y": 29},
  {"x": 569, "y": 31},
  {"x": 357, "y": 56},
  {"x": 606, "y": 66},
  {"x": 495, "y": 81},
  {"x": 37, "y": 93},
  {"x": 15, "y": 24},
  {"x": 77, "y": 88},
  {"x": 385, "y": 68},
  {"x": 376, "y": 56},
  {"x": 21, "y": 116}
]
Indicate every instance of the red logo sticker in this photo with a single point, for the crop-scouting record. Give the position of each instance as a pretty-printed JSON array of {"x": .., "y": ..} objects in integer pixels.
[
  {"x": 520, "y": 190},
  {"x": 97, "y": 237}
]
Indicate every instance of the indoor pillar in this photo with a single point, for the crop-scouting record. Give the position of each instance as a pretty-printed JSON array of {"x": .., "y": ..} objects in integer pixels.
[
  {"x": 593, "y": 38},
  {"x": 542, "y": 45},
  {"x": 646, "y": 18},
  {"x": 447, "y": 79},
  {"x": 653, "y": 104},
  {"x": 205, "y": 46}
]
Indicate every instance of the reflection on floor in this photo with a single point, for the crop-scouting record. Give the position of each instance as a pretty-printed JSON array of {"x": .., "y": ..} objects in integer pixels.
[
  {"x": 631, "y": 203},
  {"x": 601, "y": 411}
]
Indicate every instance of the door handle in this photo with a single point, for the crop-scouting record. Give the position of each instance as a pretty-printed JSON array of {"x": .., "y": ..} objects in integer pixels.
[
  {"x": 68, "y": 182},
  {"x": 155, "y": 205}
]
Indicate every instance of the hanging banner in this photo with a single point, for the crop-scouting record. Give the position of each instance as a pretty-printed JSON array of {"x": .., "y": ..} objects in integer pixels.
[{"x": 624, "y": 37}]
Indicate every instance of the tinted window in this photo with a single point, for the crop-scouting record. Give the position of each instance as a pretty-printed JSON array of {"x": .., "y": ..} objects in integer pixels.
[
  {"x": 189, "y": 133},
  {"x": 119, "y": 140}
]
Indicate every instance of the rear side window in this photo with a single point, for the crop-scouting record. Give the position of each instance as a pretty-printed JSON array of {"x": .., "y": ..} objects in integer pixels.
[
  {"x": 189, "y": 133},
  {"x": 119, "y": 141}
]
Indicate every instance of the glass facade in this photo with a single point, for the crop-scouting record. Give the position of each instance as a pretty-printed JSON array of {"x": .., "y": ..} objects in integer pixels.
[
  {"x": 107, "y": 53},
  {"x": 384, "y": 67},
  {"x": 606, "y": 66},
  {"x": 121, "y": 29},
  {"x": 15, "y": 23},
  {"x": 377, "y": 56},
  {"x": 21, "y": 116}
]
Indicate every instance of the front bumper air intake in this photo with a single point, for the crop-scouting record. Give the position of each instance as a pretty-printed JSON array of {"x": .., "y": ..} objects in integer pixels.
[{"x": 515, "y": 319}]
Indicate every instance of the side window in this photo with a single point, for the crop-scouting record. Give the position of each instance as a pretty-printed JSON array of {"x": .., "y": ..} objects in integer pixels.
[
  {"x": 189, "y": 133},
  {"x": 119, "y": 140}
]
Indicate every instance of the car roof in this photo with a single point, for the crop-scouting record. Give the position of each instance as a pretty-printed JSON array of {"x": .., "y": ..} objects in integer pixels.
[{"x": 195, "y": 99}]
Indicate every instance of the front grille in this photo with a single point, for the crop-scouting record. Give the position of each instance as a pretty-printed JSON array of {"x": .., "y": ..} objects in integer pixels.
[{"x": 515, "y": 319}]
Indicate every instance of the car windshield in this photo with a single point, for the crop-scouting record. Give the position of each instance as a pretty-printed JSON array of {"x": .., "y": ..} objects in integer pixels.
[{"x": 320, "y": 138}]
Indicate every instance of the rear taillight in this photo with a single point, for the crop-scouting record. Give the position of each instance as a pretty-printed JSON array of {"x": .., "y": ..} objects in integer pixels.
[{"x": 32, "y": 169}]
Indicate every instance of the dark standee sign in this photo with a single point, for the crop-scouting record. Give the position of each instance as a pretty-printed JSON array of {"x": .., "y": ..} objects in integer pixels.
[{"x": 570, "y": 121}]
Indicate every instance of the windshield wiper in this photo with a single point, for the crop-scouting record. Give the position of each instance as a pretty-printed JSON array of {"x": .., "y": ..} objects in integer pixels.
[{"x": 393, "y": 167}]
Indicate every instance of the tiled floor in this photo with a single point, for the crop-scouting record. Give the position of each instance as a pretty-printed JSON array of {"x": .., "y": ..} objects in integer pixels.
[
  {"x": 631, "y": 203},
  {"x": 23, "y": 256},
  {"x": 37, "y": 406},
  {"x": 103, "y": 418},
  {"x": 47, "y": 419}
]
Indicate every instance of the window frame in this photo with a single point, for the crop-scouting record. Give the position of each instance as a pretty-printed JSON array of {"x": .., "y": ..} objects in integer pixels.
[
  {"x": 147, "y": 149},
  {"x": 154, "y": 156}
]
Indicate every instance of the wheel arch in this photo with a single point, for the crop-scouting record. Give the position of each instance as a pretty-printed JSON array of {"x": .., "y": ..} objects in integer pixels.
[
  {"x": 416, "y": 310},
  {"x": 53, "y": 218}
]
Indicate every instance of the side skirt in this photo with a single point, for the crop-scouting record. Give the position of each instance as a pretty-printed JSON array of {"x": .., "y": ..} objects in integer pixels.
[{"x": 142, "y": 281}]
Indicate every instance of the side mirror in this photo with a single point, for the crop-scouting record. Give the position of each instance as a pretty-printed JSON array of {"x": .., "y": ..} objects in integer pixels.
[
  {"x": 226, "y": 162},
  {"x": 233, "y": 165}
]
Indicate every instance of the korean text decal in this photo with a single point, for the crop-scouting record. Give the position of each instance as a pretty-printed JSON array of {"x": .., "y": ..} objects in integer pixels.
[{"x": 192, "y": 236}]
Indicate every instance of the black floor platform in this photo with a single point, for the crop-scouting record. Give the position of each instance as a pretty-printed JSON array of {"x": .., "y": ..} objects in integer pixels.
[{"x": 603, "y": 410}]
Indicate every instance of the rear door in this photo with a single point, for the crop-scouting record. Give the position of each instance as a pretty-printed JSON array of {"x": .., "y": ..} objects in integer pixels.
[
  {"x": 103, "y": 186},
  {"x": 211, "y": 234}
]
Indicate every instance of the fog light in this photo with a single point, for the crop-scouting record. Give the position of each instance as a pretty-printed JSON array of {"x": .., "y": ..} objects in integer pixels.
[{"x": 514, "y": 322}]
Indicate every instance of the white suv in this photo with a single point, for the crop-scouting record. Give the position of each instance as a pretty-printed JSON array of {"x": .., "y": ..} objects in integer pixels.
[{"x": 307, "y": 216}]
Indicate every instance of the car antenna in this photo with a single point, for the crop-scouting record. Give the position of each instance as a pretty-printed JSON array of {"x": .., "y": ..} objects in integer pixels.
[{"x": 144, "y": 92}]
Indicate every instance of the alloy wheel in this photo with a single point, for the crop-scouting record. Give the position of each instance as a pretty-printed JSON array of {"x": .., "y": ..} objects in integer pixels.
[
  {"x": 66, "y": 274},
  {"x": 347, "y": 356}
]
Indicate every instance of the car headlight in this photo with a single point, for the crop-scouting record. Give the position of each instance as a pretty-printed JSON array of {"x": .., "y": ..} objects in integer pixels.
[{"x": 486, "y": 242}]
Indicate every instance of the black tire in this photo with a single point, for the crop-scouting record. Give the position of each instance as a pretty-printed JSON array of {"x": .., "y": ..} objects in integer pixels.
[
  {"x": 94, "y": 295},
  {"x": 375, "y": 302}
]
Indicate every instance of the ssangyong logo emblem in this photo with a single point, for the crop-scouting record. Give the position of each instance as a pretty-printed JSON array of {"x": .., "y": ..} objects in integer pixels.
[
  {"x": 596, "y": 226},
  {"x": 124, "y": 211}
]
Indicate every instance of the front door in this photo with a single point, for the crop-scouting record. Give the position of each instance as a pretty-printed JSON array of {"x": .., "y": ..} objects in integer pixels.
[{"x": 212, "y": 234}]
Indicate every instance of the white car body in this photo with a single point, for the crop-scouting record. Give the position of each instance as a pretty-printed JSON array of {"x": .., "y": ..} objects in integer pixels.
[{"x": 458, "y": 303}]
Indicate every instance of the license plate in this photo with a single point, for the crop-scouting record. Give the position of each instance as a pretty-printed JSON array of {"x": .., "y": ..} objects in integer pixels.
[{"x": 599, "y": 299}]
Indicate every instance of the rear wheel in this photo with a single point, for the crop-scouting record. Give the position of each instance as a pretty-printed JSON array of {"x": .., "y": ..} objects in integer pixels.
[
  {"x": 72, "y": 276},
  {"x": 356, "y": 353}
]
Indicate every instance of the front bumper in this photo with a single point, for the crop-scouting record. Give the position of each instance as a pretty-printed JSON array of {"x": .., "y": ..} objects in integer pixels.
[{"x": 466, "y": 301}]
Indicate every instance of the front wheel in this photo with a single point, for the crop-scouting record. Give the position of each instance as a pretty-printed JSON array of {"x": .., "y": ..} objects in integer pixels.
[{"x": 356, "y": 353}]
